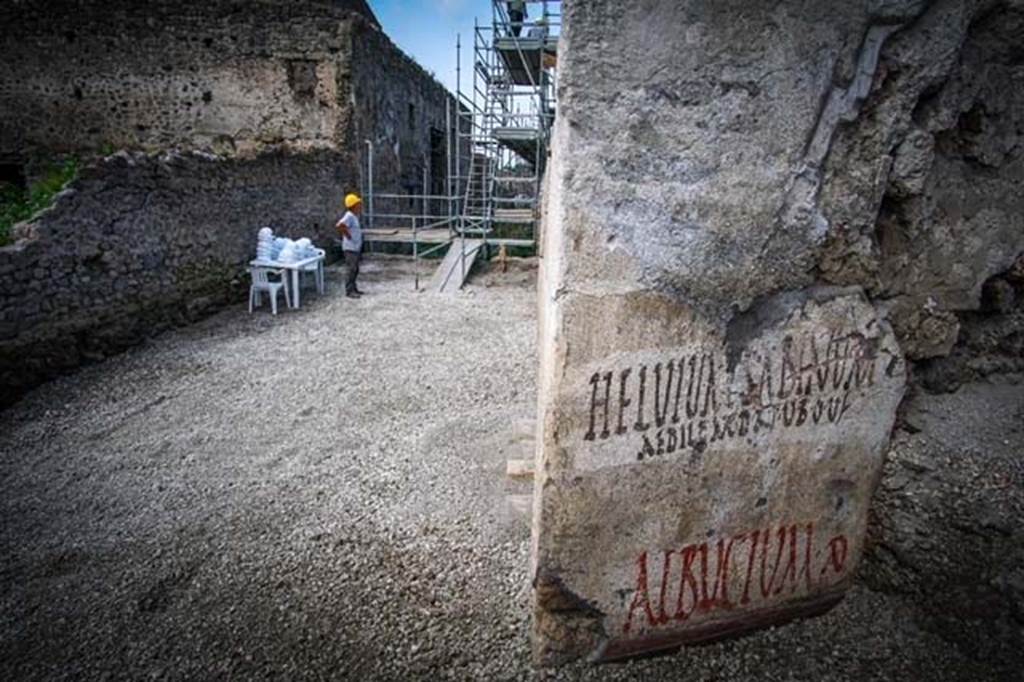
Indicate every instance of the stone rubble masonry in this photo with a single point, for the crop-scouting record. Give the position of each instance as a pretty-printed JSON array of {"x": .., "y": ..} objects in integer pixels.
[
  {"x": 922, "y": 191},
  {"x": 140, "y": 243},
  {"x": 228, "y": 116},
  {"x": 403, "y": 113},
  {"x": 740, "y": 198},
  {"x": 215, "y": 75}
]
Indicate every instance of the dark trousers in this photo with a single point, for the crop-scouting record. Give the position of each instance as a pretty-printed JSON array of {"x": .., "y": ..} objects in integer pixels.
[
  {"x": 516, "y": 19},
  {"x": 352, "y": 259}
]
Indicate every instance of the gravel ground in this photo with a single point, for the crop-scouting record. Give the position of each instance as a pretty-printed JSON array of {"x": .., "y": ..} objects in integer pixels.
[{"x": 322, "y": 495}]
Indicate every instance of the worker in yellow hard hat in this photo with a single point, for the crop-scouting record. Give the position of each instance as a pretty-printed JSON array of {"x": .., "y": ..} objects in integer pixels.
[{"x": 351, "y": 242}]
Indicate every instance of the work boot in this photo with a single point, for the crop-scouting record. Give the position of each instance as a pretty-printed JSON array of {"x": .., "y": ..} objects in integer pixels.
[{"x": 353, "y": 294}]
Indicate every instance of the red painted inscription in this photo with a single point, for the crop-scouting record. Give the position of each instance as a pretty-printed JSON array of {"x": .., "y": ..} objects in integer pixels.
[{"x": 760, "y": 565}]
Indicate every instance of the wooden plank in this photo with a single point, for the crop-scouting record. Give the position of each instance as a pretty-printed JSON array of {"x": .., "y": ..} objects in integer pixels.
[
  {"x": 450, "y": 276},
  {"x": 519, "y": 468},
  {"x": 525, "y": 56},
  {"x": 513, "y": 215},
  {"x": 522, "y": 141},
  {"x": 524, "y": 430},
  {"x": 404, "y": 235},
  {"x": 499, "y": 241}
]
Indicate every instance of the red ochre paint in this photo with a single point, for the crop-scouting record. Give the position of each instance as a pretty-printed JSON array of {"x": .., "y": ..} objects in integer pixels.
[{"x": 696, "y": 578}]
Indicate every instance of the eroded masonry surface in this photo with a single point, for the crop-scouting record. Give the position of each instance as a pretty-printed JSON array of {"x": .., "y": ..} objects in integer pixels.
[{"x": 764, "y": 226}]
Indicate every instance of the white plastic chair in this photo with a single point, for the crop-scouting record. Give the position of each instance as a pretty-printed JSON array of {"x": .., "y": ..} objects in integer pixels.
[
  {"x": 317, "y": 269},
  {"x": 261, "y": 282}
]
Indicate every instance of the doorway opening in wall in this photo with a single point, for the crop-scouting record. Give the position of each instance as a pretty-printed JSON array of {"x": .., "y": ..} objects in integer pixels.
[{"x": 438, "y": 173}]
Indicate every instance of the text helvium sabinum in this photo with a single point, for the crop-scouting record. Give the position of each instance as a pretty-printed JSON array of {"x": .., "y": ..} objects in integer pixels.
[{"x": 693, "y": 399}]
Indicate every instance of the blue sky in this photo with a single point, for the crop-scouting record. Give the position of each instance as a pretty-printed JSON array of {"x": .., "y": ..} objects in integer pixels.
[{"x": 426, "y": 30}]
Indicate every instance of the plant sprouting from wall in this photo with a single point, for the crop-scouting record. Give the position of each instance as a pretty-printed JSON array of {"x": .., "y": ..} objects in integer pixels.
[{"x": 18, "y": 204}]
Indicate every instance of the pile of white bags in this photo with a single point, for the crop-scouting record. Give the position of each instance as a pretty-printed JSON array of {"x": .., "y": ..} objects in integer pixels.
[
  {"x": 287, "y": 253},
  {"x": 282, "y": 249},
  {"x": 304, "y": 248},
  {"x": 265, "y": 244}
]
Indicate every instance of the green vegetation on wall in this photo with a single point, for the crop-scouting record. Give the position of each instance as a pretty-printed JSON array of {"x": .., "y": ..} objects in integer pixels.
[{"x": 18, "y": 204}]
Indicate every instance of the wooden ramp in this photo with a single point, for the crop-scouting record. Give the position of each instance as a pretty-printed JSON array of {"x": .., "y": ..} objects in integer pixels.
[{"x": 451, "y": 275}]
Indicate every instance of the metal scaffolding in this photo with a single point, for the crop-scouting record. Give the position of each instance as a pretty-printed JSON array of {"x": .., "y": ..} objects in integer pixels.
[{"x": 496, "y": 143}]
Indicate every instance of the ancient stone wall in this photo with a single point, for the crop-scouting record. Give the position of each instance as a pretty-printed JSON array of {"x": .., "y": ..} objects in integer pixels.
[
  {"x": 922, "y": 191},
  {"x": 945, "y": 531},
  {"x": 403, "y": 115},
  {"x": 140, "y": 243},
  {"x": 214, "y": 76},
  {"x": 220, "y": 76},
  {"x": 236, "y": 115},
  {"x": 755, "y": 212}
]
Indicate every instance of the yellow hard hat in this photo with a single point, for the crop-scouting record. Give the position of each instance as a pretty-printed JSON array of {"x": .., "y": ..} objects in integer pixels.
[{"x": 351, "y": 200}]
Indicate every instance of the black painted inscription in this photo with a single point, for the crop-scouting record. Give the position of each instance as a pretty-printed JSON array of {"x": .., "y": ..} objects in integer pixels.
[{"x": 691, "y": 400}]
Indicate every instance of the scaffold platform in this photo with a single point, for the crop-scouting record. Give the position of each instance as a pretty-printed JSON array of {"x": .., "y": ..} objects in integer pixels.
[
  {"x": 492, "y": 153},
  {"x": 405, "y": 235},
  {"x": 526, "y": 58},
  {"x": 522, "y": 141}
]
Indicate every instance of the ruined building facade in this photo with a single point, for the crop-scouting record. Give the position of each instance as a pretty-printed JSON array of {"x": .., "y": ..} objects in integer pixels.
[{"x": 195, "y": 124}]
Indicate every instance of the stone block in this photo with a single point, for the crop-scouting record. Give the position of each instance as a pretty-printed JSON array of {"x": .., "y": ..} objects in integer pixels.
[
  {"x": 698, "y": 483},
  {"x": 713, "y": 419}
]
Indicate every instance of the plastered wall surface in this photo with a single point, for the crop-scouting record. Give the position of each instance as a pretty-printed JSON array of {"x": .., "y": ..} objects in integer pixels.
[{"x": 757, "y": 215}]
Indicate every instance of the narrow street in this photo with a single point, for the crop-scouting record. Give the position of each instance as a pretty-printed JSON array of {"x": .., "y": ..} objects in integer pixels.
[{"x": 323, "y": 494}]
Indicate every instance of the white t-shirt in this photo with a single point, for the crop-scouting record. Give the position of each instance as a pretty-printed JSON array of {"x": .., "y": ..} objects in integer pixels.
[{"x": 354, "y": 242}]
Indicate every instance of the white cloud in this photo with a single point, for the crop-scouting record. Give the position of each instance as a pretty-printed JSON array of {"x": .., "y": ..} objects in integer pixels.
[{"x": 450, "y": 5}]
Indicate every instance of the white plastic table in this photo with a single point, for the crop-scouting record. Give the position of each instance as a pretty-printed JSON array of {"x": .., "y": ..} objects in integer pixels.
[{"x": 296, "y": 269}]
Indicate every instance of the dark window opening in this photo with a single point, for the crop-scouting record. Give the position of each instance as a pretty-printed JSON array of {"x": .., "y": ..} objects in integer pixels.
[
  {"x": 12, "y": 175},
  {"x": 438, "y": 170},
  {"x": 438, "y": 160},
  {"x": 412, "y": 116},
  {"x": 302, "y": 79}
]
